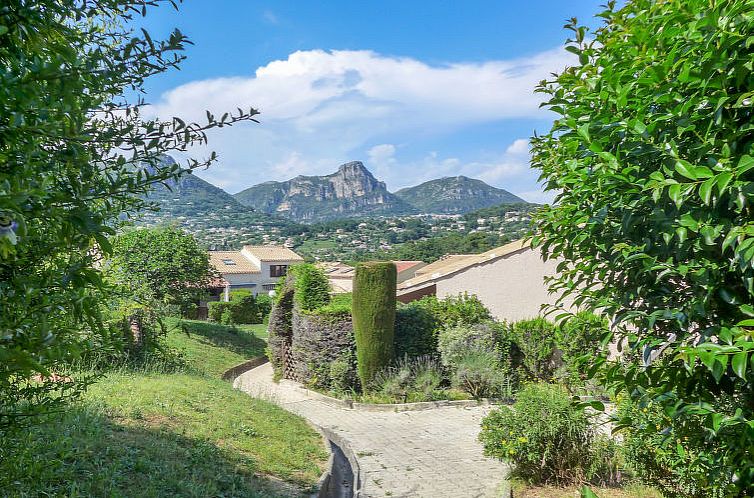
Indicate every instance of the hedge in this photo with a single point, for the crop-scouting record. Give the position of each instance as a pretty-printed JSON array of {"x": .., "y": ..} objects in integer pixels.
[{"x": 374, "y": 317}]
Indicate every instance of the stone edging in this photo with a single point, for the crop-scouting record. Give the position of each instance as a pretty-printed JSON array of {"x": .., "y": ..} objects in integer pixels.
[
  {"x": 388, "y": 407},
  {"x": 323, "y": 483},
  {"x": 233, "y": 372}
]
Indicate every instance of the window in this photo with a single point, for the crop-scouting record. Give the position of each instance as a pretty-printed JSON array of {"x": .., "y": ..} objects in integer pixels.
[
  {"x": 269, "y": 287},
  {"x": 278, "y": 270},
  {"x": 229, "y": 262}
]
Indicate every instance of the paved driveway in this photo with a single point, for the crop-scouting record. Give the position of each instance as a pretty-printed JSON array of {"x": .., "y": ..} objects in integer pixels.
[{"x": 431, "y": 453}]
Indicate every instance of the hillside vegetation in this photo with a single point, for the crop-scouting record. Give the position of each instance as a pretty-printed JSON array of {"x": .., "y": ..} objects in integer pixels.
[
  {"x": 186, "y": 429},
  {"x": 455, "y": 195}
]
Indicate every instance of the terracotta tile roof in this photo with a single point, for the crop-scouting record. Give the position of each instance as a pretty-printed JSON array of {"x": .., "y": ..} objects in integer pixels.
[
  {"x": 217, "y": 282},
  {"x": 273, "y": 253},
  {"x": 232, "y": 262},
  {"x": 457, "y": 262},
  {"x": 405, "y": 265}
]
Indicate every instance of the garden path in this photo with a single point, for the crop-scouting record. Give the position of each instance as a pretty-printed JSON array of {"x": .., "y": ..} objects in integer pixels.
[{"x": 430, "y": 453}]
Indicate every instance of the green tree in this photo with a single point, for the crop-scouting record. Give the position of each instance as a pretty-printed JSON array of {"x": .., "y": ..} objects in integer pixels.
[
  {"x": 651, "y": 157},
  {"x": 161, "y": 264},
  {"x": 75, "y": 155},
  {"x": 373, "y": 317}
]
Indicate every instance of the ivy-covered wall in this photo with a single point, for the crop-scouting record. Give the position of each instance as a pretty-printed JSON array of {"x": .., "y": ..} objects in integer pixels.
[
  {"x": 324, "y": 350},
  {"x": 312, "y": 346},
  {"x": 280, "y": 328}
]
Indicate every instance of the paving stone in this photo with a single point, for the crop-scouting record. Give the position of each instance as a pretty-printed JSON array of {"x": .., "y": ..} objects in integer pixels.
[{"x": 430, "y": 453}]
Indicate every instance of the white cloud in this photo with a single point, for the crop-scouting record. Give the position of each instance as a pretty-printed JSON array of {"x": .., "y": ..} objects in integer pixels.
[
  {"x": 319, "y": 109},
  {"x": 506, "y": 169}
]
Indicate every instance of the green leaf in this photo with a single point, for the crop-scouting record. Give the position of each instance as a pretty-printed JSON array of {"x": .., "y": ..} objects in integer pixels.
[
  {"x": 685, "y": 169},
  {"x": 3, "y": 29},
  {"x": 708, "y": 359},
  {"x": 744, "y": 164},
  {"x": 705, "y": 189},
  {"x": 739, "y": 364},
  {"x": 722, "y": 180},
  {"x": 682, "y": 233},
  {"x": 583, "y": 130},
  {"x": 747, "y": 309},
  {"x": 674, "y": 192}
]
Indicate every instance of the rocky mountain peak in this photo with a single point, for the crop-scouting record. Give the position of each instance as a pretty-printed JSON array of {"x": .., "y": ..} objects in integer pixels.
[{"x": 354, "y": 168}]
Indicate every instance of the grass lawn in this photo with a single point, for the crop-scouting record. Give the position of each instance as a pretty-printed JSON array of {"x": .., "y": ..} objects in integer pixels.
[
  {"x": 146, "y": 434},
  {"x": 211, "y": 348}
]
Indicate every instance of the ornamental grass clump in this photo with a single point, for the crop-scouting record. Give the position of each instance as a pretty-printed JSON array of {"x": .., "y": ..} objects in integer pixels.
[
  {"x": 549, "y": 439},
  {"x": 409, "y": 380}
]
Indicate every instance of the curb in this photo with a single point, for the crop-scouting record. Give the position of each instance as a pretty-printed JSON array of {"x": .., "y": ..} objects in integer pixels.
[
  {"x": 323, "y": 483},
  {"x": 233, "y": 372},
  {"x": 390, "y": 407},
  {"x": 325, "y": 488}
]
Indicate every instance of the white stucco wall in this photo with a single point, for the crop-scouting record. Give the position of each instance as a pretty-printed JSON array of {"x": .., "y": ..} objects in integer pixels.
[
  {"x": 244, "y": 280},
  {"x": 513, "y": 287}
]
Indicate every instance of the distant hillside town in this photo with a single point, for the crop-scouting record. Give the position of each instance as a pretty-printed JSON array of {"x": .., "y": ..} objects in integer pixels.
[{"x": 348, "y": 216}]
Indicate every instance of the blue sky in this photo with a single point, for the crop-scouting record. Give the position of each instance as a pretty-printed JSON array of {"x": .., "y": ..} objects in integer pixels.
[{"x": 416, "y": 90}]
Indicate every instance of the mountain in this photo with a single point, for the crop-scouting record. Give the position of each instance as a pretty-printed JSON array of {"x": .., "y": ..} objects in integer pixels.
[
  {"x": 203, "y": 209},
  {"x": 455, "y": 195},
  {"x": 190, "y": 195},
  {"x": 349, "y": 192}
]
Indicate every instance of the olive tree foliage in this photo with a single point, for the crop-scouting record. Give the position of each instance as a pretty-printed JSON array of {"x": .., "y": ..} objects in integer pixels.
[
  {"x": 651, "y": 158},
  {"x": 75, "y": 154}
]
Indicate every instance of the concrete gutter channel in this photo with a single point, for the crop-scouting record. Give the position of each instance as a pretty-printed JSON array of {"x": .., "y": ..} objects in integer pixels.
[{"x": 342, "y": 476}]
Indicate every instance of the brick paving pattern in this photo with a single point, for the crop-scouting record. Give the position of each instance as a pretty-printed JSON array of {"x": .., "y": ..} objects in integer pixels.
[{"x": 431, "y": 453}]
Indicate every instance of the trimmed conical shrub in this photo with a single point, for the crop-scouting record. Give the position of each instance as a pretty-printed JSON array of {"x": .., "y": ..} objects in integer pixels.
[{"x": 373, "y": 317}]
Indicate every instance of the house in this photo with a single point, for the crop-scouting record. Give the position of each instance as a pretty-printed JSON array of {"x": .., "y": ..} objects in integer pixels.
[
  {"x": 257, "y": 268},
  {"x": 408, "y": 269},
  {"x": 340, "y": 276},
  {"x": 509, "y": 280}
]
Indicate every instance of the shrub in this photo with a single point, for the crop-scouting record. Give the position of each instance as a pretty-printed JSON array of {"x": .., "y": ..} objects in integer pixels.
[
  {"x": 463, "y": 309},
  {"x": 241, "y": 309},
  {"x": 409, "y": 380},
  {"x": 546, "y": 437},
  {"x": 479, "y": 374},
  {"x": 419, "y": 323},
  {"x": 459, "y": 341},
  {"x": 318, "y": 340},
  {"x": 216, "y": 309},
  {"x": 415, "y": 331},
  {"x": 238, "y": 294},
  {"x": 578, "y": 340},
  {"x": 227, "y": 316},
  {"x": 374, "y": 317},
  {"x": 311, "y": 287},
  {"x": 342, "y": 374},
  {"x": 655, "y": 459},
  {"x": 264, "y": 306},
  {"x": 536, "y": 339}
]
